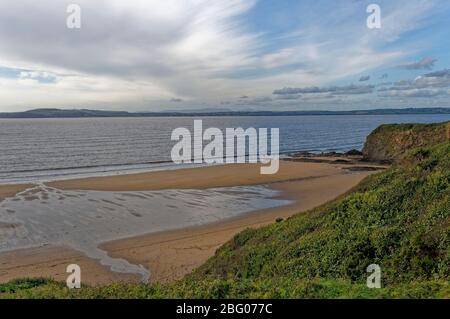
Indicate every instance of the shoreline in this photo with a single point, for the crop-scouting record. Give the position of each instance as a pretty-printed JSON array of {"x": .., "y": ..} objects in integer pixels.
[{"x": 169, "y": 255}]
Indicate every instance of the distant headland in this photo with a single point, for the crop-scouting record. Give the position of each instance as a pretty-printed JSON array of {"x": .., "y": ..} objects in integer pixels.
[{"x": 85, "y": 113}]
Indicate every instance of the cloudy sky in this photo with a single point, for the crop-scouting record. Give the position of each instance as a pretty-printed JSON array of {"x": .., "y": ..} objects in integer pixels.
[{"x": 153, "y": 55}]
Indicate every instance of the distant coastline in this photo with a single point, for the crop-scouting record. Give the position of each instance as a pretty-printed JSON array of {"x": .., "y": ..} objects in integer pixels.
[{"x": 85, "y": 113}]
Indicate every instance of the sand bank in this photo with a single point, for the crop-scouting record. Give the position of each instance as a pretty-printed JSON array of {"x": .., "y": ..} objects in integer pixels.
[{"x": 11, "y": 190}]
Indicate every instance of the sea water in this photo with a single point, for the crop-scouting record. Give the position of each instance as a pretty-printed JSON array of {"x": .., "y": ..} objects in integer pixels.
[{"x": 48, "y": 149}]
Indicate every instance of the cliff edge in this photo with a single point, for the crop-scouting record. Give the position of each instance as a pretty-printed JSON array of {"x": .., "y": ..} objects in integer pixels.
[{"x": 388, "y": 143}]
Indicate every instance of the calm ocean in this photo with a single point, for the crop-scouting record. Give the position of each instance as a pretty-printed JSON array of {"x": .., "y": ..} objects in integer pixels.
[{"x": 45, "y": 149}]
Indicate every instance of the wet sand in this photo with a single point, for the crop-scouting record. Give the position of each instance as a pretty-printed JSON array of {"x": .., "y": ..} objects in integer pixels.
[
  {"x": 51, "y": 262},
  {"x": 11, "y": 190},
  {"x": 170, "y": 255}
]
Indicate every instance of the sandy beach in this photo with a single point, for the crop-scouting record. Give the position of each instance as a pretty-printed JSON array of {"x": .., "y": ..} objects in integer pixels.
[{"x": 171, "y": 254}]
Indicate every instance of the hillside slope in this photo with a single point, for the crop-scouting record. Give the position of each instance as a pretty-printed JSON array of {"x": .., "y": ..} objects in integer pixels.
[{"x": 398, "y": 219}]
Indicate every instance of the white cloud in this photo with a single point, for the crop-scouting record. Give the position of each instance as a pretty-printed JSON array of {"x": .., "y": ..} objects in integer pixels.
[{"x": 141, "y": 54}]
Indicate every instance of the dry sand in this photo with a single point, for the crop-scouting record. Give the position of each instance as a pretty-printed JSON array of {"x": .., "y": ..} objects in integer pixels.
[{"x": 172, "y": 254}]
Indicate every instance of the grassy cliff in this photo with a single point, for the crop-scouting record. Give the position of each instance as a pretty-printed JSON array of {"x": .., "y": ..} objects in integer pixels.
[
  {"x": 388, "y": 143},
  {"x": 398, "y": 219}
]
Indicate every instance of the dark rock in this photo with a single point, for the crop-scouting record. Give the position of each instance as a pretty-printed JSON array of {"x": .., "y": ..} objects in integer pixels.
[{"x": 353, "y": 153}]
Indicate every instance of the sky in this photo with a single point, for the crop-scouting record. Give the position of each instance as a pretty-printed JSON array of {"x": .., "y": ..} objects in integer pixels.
[{"x": 239, "y": 55}]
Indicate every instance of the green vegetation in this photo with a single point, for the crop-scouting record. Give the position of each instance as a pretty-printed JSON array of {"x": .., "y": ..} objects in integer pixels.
[
  {"x": 215, "y": 288},
  {"x": 398, "y": 219}
]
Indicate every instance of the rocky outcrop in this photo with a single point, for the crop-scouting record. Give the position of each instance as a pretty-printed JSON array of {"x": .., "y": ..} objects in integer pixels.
[{"x": 388, "y": 143}]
